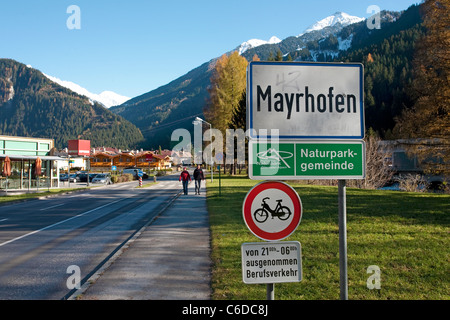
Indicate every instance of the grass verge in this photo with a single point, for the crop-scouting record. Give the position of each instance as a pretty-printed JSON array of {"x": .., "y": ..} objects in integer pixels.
[
  {"x": 18, "y": 197},
  {"x": 405, "y": 234}
]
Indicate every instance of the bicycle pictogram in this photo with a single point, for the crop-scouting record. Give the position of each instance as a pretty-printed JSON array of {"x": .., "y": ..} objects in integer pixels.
[{"x": 280, "y": 211}]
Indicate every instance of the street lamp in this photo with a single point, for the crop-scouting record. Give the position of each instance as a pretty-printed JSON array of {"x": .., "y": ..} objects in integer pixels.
[{"x": 198, "y": 121}]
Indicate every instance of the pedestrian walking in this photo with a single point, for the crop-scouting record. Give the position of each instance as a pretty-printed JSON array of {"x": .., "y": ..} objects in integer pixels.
[
  {"x": 198, "y": 177},
  {"x": 185, "y": 177}
]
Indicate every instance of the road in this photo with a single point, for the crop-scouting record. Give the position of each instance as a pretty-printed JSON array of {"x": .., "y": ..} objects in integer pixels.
[{"x": 45, "y": 244}]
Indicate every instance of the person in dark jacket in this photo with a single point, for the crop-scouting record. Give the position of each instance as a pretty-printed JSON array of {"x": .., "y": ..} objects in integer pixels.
[
  {"x": 185, "y": 177},
  {"x": 198, "y": 177}
]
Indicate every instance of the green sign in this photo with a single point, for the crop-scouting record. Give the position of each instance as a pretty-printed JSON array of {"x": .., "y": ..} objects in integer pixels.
[{"x": 294, "y": 160}]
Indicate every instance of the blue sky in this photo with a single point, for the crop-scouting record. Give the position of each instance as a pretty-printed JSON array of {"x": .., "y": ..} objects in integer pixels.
[{"x": 132, "y": 47}]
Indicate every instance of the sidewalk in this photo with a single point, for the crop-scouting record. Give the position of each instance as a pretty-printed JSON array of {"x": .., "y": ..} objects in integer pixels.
[{"x": 170, "y": 260}]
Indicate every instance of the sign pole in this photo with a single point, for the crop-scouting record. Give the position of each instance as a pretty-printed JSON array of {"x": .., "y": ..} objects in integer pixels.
[
  {"x": 343, "y": 277},
  {"x": 220, "y": 192},
  {"x": 270, "y": 291},
  {"x": 68, "y": 169}
]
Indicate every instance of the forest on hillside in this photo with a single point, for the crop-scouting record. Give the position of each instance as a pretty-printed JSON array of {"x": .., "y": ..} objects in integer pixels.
[{"x": 33, "y": 106}]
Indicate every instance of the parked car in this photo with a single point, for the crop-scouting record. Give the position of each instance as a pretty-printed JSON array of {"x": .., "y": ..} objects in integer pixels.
[
  {"x": 83, "y": 176},
  {"x": 104, "y": 178},
  {"x": 65, "y": 177},
  {"x": 136, "y": 173}
]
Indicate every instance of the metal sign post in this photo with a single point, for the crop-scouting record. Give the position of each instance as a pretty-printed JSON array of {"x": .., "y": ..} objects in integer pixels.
[
  {"x": 220, "y": 183},
  {"x": 342, "y": 204},
  {"x": 270, "y": 291}
]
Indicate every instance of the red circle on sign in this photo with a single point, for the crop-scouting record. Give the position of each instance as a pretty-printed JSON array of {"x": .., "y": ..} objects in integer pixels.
[{"x": 247, "y": 210}]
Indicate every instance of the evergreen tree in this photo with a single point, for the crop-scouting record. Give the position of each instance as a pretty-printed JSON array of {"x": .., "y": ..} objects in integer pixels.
[
  {"x": 279, "y": 56},
  {"x": 238, "y": 120}
]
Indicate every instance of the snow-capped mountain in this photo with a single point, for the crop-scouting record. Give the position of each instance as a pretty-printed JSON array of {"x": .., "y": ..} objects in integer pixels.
[
  {"x": 253, "y": 43},
  {"x": 339, "y": 17},
  {"x": 106, "y": 98}
]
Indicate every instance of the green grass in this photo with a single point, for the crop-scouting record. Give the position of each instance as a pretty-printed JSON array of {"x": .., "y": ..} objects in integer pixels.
[
  {"x": 405, "y": 234},
  {"x": 10, "y": 197}
]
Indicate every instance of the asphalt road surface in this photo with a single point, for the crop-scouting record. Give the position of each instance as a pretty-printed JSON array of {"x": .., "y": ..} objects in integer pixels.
[{"x": 45, "y": 244}]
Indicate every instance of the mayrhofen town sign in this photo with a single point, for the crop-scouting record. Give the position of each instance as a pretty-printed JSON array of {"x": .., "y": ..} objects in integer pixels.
[
  {"x": 305, "y": 100},
  {"x": 317, "y": 113}
]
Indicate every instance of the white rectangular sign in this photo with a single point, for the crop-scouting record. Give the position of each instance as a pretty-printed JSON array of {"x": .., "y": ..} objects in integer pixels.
[
  {"x": 271, "y": 262},
  {"x": 305, "y": 100}
]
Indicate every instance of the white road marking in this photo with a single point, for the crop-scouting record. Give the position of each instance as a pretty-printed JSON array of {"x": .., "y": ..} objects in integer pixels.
[
  {"x": 58, "y": 205},
  {"x": 55, "y": 224}
]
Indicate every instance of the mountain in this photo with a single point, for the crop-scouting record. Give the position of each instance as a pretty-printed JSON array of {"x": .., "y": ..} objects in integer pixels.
[
  {"x": 253, "y": 43},
  {"x": 341, "y": 18},
  {"x": 332, "y": 23},
  {"x": 106, "y": 98},
  {"x": 175, "y": 105},
  {"x": 32, "y": 105},
  {"x": 335, "y": 38}
]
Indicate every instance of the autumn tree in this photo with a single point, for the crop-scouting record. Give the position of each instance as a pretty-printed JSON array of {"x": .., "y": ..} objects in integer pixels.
[
  {"x": 238, "y": 119},
  {"x": 228, "y": 82},
  {"x": 426, "y": 126}
]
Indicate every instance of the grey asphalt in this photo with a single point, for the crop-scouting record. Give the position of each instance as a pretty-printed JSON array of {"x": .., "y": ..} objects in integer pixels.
[{"x": 168, "y": 260}]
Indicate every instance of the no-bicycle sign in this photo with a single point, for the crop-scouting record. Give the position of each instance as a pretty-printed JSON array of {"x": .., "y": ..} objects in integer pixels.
[{"x": 272, "y": 210}]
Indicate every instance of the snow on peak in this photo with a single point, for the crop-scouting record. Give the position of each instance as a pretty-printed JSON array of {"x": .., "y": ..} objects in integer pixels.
[
  {"x": 109, "y": 99},
  {"x": 106, "y": 98},
  {"x": 339, "y": 17},
  {"x": 274, "y": 39},
  {"x": 253, "y": 43}
]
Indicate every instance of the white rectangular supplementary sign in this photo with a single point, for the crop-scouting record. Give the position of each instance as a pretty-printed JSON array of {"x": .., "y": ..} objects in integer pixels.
[
  {"x": 305, "y": 100},
  {"x": 271, "y": 262}
]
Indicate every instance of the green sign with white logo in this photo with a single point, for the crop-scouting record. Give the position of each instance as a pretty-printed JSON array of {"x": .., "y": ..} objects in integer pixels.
[{"x": 295, "y": 160}]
